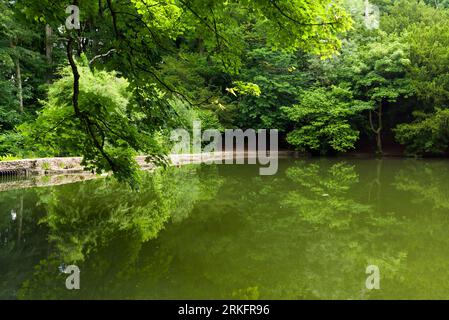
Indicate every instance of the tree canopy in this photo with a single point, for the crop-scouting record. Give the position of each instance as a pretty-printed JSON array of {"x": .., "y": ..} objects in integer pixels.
[{"x": 329, "y": 75}]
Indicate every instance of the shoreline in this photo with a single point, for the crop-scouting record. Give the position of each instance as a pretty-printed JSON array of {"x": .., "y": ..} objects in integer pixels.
[
  {"x": 45, "y": 172},
  {"x": 72, "y": 165}
]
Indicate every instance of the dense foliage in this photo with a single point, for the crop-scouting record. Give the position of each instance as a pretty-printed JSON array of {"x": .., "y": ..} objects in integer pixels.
[
  {"x": 327, "y": 74},
  {"x": 322, "y": 120}
]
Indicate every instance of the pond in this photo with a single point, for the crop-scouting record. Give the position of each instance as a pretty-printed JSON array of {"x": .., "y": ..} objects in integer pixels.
[{"x": 224, "y": 232}]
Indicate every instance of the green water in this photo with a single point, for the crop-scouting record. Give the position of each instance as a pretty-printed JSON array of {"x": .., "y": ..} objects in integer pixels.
[{"x": 224, "y": 232}]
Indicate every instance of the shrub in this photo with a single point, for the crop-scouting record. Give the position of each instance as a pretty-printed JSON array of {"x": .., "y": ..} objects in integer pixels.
[
  {"x": 322, "y": 121},
  {"x": 427, "y": 135}
]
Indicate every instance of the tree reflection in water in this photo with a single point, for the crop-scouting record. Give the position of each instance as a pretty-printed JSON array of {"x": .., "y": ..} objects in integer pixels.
[{"x": 225, "y": 232}]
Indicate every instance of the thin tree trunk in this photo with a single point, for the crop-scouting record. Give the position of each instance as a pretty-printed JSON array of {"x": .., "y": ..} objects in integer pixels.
[
  {"x": 18, "y": 79},
  {"x": 379, "y": 142},
  {"x": 379, "y": 130},
  {"x": 49, "y": 44},
  {"x": 114, "y": 18},
  {"x": 19, "y": 85},
  {"x": 76, "y": 77}
]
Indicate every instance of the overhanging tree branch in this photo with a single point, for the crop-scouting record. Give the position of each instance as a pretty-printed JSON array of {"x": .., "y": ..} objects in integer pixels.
[{"x": 81, "y": 115}]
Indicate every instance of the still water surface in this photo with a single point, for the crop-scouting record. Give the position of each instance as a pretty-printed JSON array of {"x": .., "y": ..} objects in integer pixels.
[{"x": 224, "y": 232}]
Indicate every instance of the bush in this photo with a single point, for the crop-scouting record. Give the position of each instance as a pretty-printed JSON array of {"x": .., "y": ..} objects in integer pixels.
[
  {"x": 322, "y": 121},
  {"x": 428, "y": 135}
]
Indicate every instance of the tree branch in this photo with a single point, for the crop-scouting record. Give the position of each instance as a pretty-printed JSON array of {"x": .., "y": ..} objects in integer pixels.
[
  {"x": 101, "y": 56},
  {"x": 114, "y": 18},
  {"x": 80, "y": 115}
]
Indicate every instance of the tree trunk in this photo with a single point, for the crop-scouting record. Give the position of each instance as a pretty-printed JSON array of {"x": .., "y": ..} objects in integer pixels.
[
  {"x": 379, "y": 130},
  {"x": 84, "y": 118},
  {"x": 49, "y": 44},
  {"x": 19, "y": 85},
  {"x": 18, "y": 78},
  {"x": 379, "y": 142},
  {"x": 76, "y": 77}
]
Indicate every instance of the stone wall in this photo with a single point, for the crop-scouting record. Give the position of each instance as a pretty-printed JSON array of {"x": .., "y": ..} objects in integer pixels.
[
  {"x": 43, "y": 166},
  {"x": 50, "y": 166}
]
